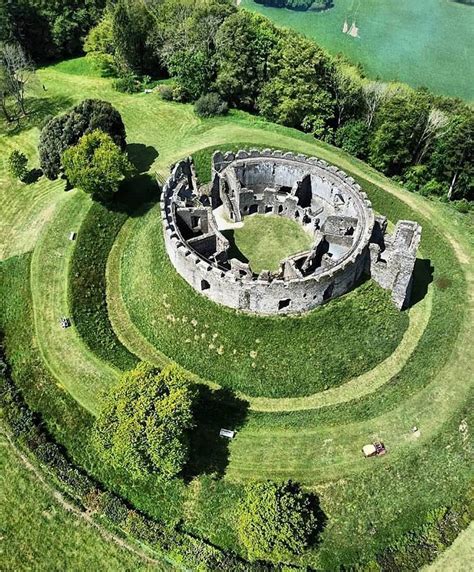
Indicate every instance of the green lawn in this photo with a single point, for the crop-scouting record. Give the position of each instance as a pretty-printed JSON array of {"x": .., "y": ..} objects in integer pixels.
[
  {"x": 458, "y": 557},
  {"x": 245, "y": 352},
  {"x": 264, "y": 241},
  {"x": 425, "y": 381},
  {"x": 39, "y": 534},
  {"x": 422, "y": 43}
]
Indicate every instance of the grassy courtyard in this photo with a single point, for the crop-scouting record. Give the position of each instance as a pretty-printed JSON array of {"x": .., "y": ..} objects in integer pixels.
[
  {"x": 358, "y": 393},
  {"x": 264, "y": 241}
]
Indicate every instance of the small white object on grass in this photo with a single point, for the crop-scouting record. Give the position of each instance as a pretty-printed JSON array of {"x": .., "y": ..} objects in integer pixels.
[
  {"x": 227, "y": 433},
  {"x": 72, "y": 236}
]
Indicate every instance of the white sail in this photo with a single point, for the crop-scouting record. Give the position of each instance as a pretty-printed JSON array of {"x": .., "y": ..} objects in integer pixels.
[{"x": 354, "y": 31}]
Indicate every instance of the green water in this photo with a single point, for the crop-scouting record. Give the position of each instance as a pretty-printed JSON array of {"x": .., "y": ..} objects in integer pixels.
[{"x": 420, "y": 42}]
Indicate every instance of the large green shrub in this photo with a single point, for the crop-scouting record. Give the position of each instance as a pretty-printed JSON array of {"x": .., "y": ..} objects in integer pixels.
[
  {"x": 144, "y": 422},
  {"x": 96, "y": 165},
  {"x": 209, "y": 105},
  {"x": 18, "y": 165},
  {"x": 276, "y": 521}
]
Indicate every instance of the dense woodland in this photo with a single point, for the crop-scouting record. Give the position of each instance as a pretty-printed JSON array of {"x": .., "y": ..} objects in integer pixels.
[{"x": 207, "y": 47}]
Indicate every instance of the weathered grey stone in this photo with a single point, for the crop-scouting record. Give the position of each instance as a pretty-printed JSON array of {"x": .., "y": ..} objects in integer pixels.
[{"x": 348, "y": 238}]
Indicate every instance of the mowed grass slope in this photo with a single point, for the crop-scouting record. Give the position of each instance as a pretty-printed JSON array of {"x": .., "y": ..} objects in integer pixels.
[
  {"x": 39, "y": 534},
  {"x": 320, "y": 447}
]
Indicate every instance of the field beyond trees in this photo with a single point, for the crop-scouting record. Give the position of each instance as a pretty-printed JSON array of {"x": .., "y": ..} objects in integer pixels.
[
  {"x": 300, "y": 413},
  {"x": 423, "y": 43}
]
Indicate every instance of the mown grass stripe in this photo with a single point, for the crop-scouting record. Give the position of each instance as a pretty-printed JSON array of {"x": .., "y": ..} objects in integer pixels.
[{"x": 76, "y": 368}]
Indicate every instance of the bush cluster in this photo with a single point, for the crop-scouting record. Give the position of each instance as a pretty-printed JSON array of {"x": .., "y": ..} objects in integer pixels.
[
  {"x": 210, "y": 105},
  {"x": 18, "y": 165},
  {"x": 143, "y": 425},
  {"x": 64, "y": 131}
]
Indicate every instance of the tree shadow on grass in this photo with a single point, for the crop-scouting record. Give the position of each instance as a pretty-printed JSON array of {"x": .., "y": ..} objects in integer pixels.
[
  {"x": 215, "y": 410},
  {"x": 142, "y": 156},
  {"x": 321, "y": 520},
  {"x": 40, "y": 110},
  {"x": 422, "y": 278},
  {"x": 136, "y": 196}
]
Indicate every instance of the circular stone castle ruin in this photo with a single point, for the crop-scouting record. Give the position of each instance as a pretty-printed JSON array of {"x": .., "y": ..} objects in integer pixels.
[{"x": 349, "y": 240}]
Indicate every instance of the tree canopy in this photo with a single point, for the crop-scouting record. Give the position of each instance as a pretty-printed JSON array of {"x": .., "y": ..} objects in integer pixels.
[
  {"x": 65, "y": 130},
  {"x": 144, "y": 422},
  {"x": 49, "y": 29},
  {"x": 96, "y": 165},
  {"x": 209, "y": 46},
  {"x": 276, "y": 520}
]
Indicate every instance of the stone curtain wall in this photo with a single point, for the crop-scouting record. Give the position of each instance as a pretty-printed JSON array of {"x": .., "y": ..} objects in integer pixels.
[{"x": 308, "y": 190}]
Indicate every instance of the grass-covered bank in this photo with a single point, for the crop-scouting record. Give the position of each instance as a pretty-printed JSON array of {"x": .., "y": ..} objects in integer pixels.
[
  {"x": 38, "y": 533},
  {"x": 87, "y": 288},
  {"x": 244, "y": 352}
]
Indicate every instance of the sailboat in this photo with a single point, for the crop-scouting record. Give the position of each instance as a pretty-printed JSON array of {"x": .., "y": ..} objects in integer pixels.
[{"x": 354, "y": 30}]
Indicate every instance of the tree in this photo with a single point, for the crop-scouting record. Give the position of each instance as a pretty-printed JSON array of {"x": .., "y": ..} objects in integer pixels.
[
  {"x": 277, "y": 521},
  {"x": 452, "y": 159},
  {"x": 297, "y": 94},
  {"x": 399, "y": 126},
  {"x": 65, "y": 130},
  {"x": 18, "y": 71},
  {"x": 346, "y": 90},
  {"x": 131, "y": 27},
  {"x": 99, "y": 45},
  {"x": 374, "y": 93},
  {"x": 143, "y": 425},
  {"x": 436, "y": 121},
  {"x": 192, "y": 71},
  {"x": 353, "y": 137},
  {"x": 18, "y": 165},
  {"x": 244, "y": 44},
  {"x": 4, "y": 95},
  {"x": 96, "y": 165},
  {"x": 187, "y": 27},
  {"x": 49, "y": 29}
]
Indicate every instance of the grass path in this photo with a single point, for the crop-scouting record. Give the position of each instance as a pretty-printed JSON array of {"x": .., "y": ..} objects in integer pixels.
[{"x": 77, "y": 369}]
